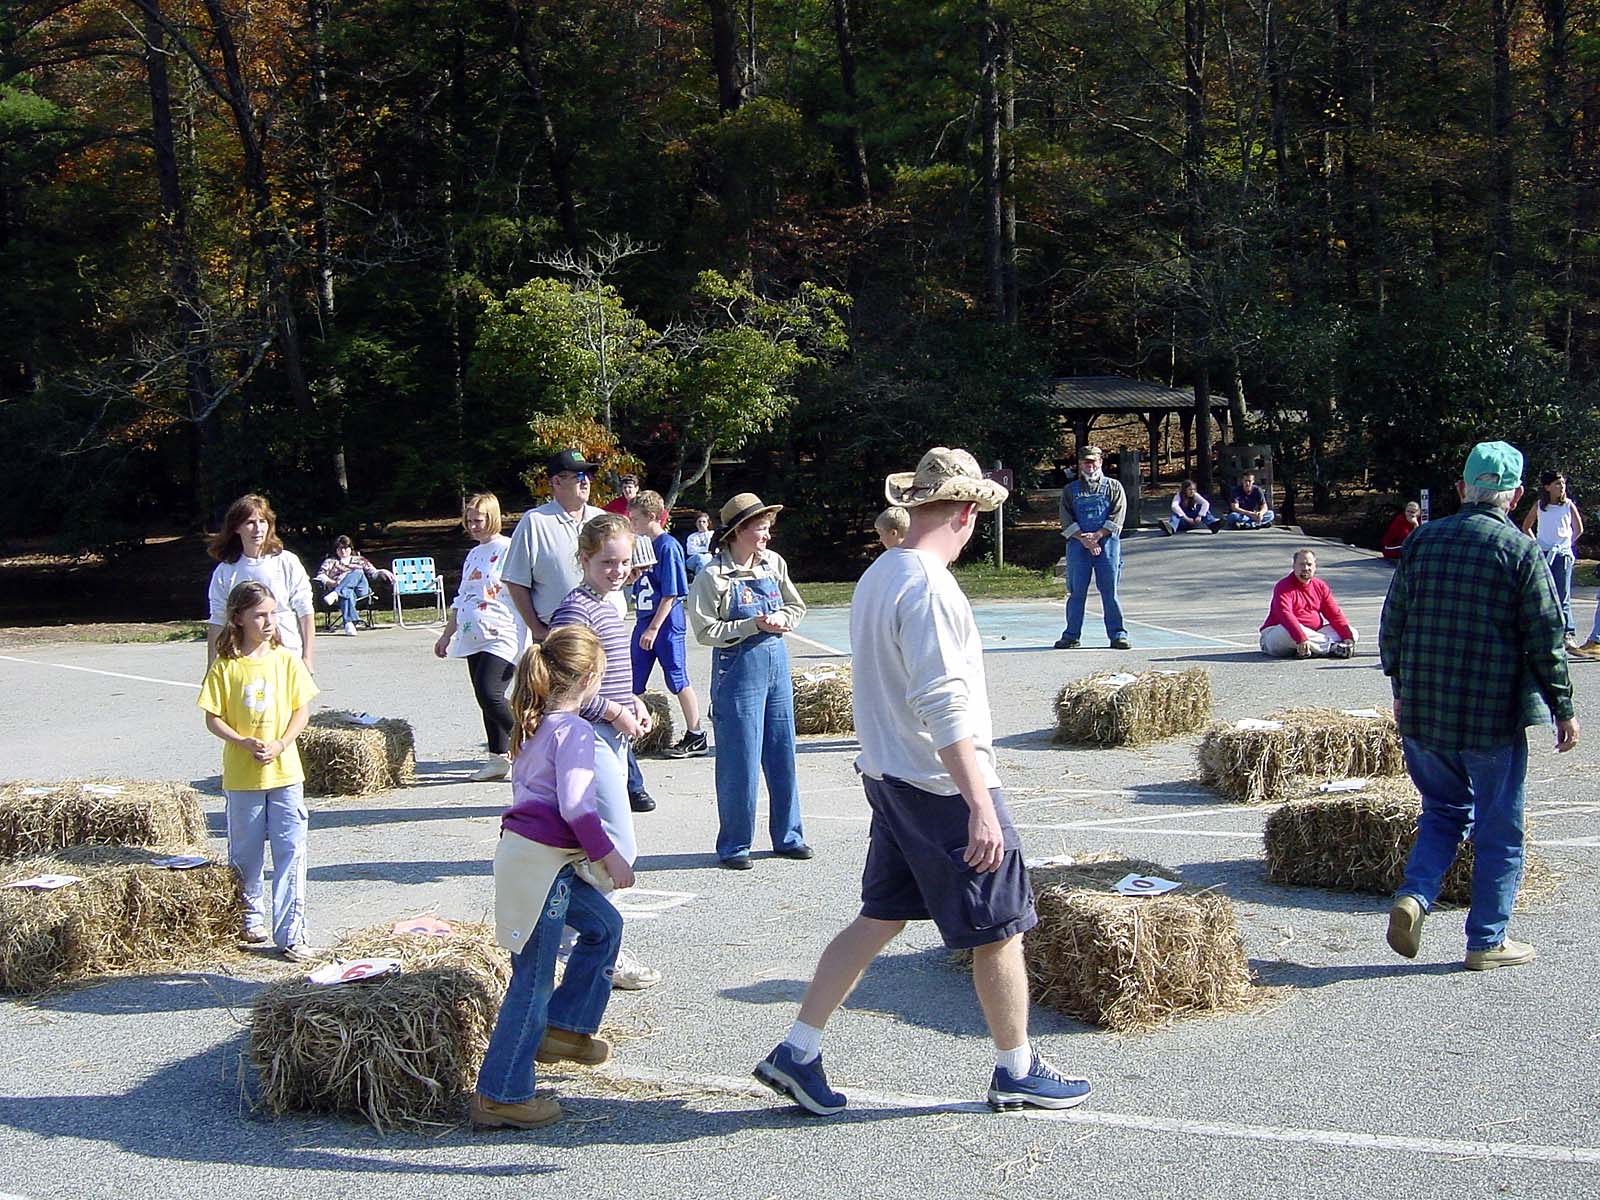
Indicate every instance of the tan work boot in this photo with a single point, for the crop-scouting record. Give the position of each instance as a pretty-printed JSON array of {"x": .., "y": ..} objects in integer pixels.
[
  {"x": 1405, "y": 926},
  {"x": 530, "y": 1114},
  {"x": 1507, "y": 954},
  {"x": 559, "y": 1044}
]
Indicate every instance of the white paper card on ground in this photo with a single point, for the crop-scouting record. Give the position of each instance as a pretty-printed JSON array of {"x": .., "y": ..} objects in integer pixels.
[
  {"x": 101, "y": 789},
  {"x": 367, "y": 719},
  {"x": 360, "y": 971},
  {"x": 1120, "y": 680},
  {"x": 1255, "y": 725},
  {"x": 1057, "y": 860},
  {"x": 432, "y": 926},
  {"x": 1343, "y": 785},
  {"x": 38, "y": 791},
  {"x": 1366, "y": 714},
  {"x": 181, "y": 862},
  {"x": 1144, "y": 885},
  {"x": 45, "y": 883}
]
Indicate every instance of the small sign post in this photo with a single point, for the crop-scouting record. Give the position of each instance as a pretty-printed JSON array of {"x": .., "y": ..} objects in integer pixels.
[
  {"x": 1424, "y": 504},
  {"x": 1007, "y": 479}
]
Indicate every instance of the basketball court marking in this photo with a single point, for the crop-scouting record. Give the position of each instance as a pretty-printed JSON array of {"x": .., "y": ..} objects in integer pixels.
[
  {"x": 33, "y": 662},
  {"x": 1335, "y": 1139},
  {"x": 646, "y": 904}
]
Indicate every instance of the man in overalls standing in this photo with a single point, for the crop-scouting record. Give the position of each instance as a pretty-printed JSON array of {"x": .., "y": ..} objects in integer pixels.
[{"x": 1092, "y": 511}]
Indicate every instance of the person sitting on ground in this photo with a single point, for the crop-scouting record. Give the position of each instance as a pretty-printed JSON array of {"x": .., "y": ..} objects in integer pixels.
[
  {"x": 697, "y": 546},
  {"x": 1247, "y": 505},
  {"x": 1305, "y": 620},
  {"x": 1403, "y": 526},
  {"x": 348, "y": 577},
  {"x": 1190, "y": 510},
  {"x": 630, "y": 488},
  {"x": 892, "y": 525}
]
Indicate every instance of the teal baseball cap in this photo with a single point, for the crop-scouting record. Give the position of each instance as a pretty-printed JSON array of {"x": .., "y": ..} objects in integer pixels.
[{"x": 1493, "y": 465}]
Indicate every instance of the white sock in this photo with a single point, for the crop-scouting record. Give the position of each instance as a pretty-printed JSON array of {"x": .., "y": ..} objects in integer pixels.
[
  {"x": 805, "y": 1040},
  {"x": 1015, "y": 1063}
]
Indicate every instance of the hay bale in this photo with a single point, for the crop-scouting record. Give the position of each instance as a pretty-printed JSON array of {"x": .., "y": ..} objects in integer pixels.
[
  {"x": 1110, "y": 708},
  {"x": 822, "y": 700},
  {"x": 1258, "y": 766},
  {"x": 660, "y": 735},
  {"x": 143, "y": 812},
  {"x": 343, "y": 757},
  {"x": 1132, "y": 963},
  {"x": 399, "y": 1051},
  {"x": 124, "y": 917},
  {"x": 1359, "y": 841}
]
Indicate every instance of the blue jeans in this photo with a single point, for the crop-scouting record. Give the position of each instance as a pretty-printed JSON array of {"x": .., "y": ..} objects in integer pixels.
[
  {"x": 1477, "y": 794},
  {"x": 276, "y": 816},
  {"x": 1240, "y": 521},
  {"x": 752, "y": 702},
  {"x": 352, "y": 587},
  {"x": 1560, "y": 564},
  {"x": 533, "y": 1002},
  {"x": 1106, "y": 567}
]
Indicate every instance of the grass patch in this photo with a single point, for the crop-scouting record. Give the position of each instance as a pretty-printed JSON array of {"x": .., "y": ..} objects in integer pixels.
[
  {"x": 980, "y": 581},
  {"x": 1586, "y": 573},
  {"x": 176, "y": 631}
]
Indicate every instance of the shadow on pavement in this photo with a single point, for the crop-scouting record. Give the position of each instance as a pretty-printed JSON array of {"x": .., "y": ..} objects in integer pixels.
[
  {"x": 1300, "y": 975},
  {"x": 175, "y": 991},
  {"x": 422, "y": 871}
]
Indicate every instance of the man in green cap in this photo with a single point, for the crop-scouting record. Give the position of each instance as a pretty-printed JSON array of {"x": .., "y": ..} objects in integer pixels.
[{"x": 1471, "y": 640}]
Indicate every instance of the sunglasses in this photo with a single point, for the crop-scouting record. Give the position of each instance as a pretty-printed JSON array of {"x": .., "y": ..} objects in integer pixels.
[{"x": 577, "y": 476}]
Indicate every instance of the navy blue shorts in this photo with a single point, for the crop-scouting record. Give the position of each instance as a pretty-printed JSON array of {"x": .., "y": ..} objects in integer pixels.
[
  {"x": 915, "y": 871},
  {"x": 670, "y": 650}
]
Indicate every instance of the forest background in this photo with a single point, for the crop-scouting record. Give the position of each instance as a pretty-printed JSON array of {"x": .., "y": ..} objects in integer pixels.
[{"x": 367, "y": 254}]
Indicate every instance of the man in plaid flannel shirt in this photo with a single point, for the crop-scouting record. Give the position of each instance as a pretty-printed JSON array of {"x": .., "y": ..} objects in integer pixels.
[{"x": 1471, "y": 639}]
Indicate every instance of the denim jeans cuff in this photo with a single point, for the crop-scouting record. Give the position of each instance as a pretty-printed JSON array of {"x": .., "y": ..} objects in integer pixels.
[{"x": 574, "y": 1027}]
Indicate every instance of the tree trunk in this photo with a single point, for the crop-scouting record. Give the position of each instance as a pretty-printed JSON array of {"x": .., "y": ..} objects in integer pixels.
[
  {"x": 1502, "y": 244},
  {"x": 1008, "y": 170},
  {"x": 990, "y": 56},
  {"x": 317, "y": 128},
  {"x": 1556, "y": 119},
  {"x": 679, "y": 484},
  {"x": 183, "y": 272},
  {"x": 533, "y": 76},
  {"x": 725, "y": 56},
  {"x": 1194, "y": 153},
  {"x": 855, "y": 144}
]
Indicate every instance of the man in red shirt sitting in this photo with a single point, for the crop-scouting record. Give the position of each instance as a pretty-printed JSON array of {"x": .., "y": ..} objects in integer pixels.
[{"x": 1304, "y": 619}]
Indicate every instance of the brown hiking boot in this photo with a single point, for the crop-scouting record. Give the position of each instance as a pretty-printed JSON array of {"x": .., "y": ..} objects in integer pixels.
[
  {"x": 530, "y": 1114},
  {"x": 563, "y": 1044}
]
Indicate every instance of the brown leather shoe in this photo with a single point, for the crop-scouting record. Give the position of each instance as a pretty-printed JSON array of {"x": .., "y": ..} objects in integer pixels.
[
  {"x": 1507, "y": 954},
  {"x": 530, "y": 1114},
  {"x": 1405, "y": 926},
  {"x": 563, "y": 1044}
]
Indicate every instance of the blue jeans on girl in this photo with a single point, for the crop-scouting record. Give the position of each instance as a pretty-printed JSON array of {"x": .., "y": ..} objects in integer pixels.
[
  {"x": 533, "y": 1002},
  {"x": 1561, "y": 563},
  {"x": 276, "y": 816},
  {"x": 1476, "y": 794},
  {"x": 352, "y": 587}
]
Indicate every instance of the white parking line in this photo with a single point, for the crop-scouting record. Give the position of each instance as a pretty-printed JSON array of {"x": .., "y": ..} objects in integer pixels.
[
  {"x": 34, "y": 662},
  {"x": 823, "y": 646},
  {"x": 1070, "y": 826},
  {"x": 1339, "y": 1139}
]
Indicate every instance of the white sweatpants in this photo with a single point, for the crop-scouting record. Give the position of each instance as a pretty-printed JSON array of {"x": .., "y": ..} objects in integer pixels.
[{"x": 1275, "y": 640}]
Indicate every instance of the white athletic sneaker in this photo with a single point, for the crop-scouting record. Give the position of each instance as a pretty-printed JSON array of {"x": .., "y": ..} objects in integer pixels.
[
  {"x": 632, "y": 975},
  {"x": 498, "y": 766},
  {"x": 349, "y": 629},
  {"x": 331, "y": 599},
  {"x": 304, "y": 952}
]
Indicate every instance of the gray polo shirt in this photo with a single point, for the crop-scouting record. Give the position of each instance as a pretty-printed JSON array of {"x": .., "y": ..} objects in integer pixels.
[{"x": 544, "y": 555}]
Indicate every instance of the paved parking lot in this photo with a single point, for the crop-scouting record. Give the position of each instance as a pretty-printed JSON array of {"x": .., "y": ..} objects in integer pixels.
[{"x": 1365, "y": 1073}]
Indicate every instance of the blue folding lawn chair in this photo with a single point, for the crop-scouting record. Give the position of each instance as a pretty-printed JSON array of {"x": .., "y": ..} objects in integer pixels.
[{"x": 417, "y": 577}]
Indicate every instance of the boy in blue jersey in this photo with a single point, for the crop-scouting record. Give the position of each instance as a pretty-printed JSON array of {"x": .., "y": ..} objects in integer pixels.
[{"x": 658, "y": 635}]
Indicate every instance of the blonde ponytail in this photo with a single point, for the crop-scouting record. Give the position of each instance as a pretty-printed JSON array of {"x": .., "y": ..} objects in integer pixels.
[{"x": 554, "y": 669}]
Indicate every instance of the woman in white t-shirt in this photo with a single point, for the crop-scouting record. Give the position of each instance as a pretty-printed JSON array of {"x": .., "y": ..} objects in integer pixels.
[
  {"x": 487, "y": 631},
  {"x": 1556, "y": 523},
  {"x": 247, "y": 548}
]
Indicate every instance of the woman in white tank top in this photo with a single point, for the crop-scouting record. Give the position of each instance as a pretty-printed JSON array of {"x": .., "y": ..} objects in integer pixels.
[{"x": 1556, "y": 523}]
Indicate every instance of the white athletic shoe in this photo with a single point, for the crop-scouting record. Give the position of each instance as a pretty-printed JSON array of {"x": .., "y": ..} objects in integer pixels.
[
  {"x": 331, "y": 599},
  {"x": 498, "y": 766},
  {"x": 349, "y": 629},
  {"x": 632, "y": 975},
  {"x": 304, "y": 952}
]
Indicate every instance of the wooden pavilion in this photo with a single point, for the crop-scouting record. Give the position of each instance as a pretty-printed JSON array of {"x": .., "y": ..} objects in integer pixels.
[{"x": 1082, "y": 398}]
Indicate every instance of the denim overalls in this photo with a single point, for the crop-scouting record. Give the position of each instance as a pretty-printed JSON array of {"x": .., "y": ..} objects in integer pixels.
[
  {"x": 752, "y": 709},
  {"x": 1090, "y": 508}
]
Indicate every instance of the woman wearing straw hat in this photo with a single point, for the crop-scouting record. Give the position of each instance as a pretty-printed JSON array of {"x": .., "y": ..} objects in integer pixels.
[{"x": 741, "y": 605}]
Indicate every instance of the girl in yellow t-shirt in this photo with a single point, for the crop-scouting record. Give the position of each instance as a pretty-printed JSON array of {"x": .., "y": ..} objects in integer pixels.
[{"x": 256, "y": 697}]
